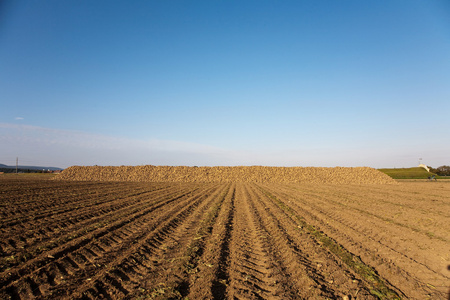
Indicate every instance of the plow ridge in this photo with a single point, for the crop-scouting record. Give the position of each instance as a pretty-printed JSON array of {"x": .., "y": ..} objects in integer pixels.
[
  {"x": 153, "y": 235},
  {"x": 77, "y": 227},
  {"x": 77, "y": 243},
  {"x": 321, "y": 239},
  {"x": 156, "y": 241},
  {"x": 376, "y": 284},
  {"x": 108, "y": 234}
]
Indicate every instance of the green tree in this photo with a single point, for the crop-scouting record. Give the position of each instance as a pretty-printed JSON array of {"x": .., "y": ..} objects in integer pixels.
[{"x": 443, "y": 171}]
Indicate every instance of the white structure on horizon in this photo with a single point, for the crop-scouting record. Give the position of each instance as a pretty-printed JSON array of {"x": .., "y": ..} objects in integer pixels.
[{"x": 425, "y": 167}]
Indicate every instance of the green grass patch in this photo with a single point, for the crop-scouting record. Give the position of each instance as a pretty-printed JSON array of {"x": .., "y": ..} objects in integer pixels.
[{"x": 407, "y": 173}]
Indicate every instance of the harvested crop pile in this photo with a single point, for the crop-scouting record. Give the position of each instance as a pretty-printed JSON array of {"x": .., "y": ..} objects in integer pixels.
[{"x": 338, "y": 175}]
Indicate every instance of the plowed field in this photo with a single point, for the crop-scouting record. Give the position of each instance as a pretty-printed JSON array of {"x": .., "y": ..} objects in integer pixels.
[{"x": 116, "y": 240}]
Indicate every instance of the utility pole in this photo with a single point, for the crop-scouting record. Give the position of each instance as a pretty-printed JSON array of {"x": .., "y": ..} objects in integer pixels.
[{"x": 17, "y": 163}]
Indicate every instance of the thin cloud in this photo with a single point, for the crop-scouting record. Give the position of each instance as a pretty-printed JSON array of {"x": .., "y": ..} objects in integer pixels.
[
  {"x": 69, "y": 147},
  {"x": 18, "y": 118},
  {"x": 63, "y": 148},
  {"x": 80, "y": 139}
]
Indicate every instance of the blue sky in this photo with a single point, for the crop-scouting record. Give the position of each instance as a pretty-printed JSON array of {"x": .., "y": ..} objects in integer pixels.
[{"x": 282, "y": 83}]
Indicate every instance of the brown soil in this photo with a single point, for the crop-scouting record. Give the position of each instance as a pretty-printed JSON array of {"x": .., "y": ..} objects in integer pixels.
[{"x": 144, "y": 240}]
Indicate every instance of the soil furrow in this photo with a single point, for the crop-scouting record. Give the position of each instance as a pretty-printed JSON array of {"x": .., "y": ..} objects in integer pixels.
[
  {"x": 209, "y": 282},
  {"x": 162, "y": 244},
  {"x": 379, "y": 249},
  {"x": 185, "y": 258},
  {"x": 326, "y": 274},
  {"x": 66, "y": 208},
  {"x": 30, "y": 247},
  {"x": 83, "y": 241}
]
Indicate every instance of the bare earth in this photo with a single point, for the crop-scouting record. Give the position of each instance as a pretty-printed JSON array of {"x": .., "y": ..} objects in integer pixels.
[{"x": 144, "y": 240}]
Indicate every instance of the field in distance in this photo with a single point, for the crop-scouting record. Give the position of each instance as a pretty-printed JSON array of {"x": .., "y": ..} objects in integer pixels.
[
  {"x": 147, "y": 240},
  {"x": 409, "y": 173}
]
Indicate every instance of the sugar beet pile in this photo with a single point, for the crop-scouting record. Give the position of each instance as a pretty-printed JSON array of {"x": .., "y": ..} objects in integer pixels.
[{"x": 337, "y": 175}]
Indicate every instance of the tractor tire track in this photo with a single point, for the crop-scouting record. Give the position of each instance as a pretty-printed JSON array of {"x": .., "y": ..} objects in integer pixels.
[{"x": 253, "y": 271}]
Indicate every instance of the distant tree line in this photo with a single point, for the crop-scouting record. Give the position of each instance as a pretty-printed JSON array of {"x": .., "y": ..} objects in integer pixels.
[
  {"x": 441, "y": 171},
  {"x": 13, "y": 170}
]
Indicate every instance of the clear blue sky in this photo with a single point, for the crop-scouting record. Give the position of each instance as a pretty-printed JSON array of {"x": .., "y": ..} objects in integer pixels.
[{"x": 280, "y": 83}]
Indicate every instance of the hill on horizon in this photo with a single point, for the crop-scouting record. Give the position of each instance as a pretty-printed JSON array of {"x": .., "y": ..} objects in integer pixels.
[
  {"x": 21, "y": 167},
  {"x": 407, "y": 173}
]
